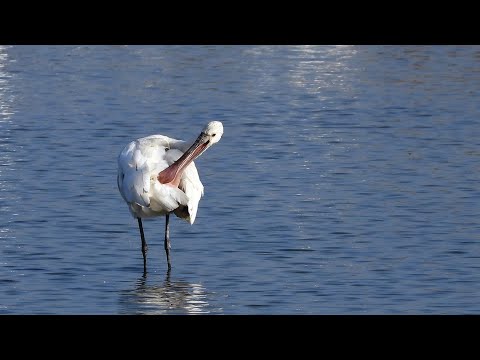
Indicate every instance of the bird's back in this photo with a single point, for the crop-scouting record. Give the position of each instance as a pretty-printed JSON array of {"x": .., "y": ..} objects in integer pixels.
[{"x": 139, "y": 164}]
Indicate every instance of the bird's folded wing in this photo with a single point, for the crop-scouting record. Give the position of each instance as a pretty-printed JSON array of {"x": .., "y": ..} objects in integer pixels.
[
  {"x": 135, "y": 187},
  {"x": 166, "y": 198},
  {"x": 134, "y": 178}
]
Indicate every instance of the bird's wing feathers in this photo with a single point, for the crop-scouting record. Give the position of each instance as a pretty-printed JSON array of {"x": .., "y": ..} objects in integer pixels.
[
  {"x": 133, "y": 175},
  {"x": 166, "y": 198}
]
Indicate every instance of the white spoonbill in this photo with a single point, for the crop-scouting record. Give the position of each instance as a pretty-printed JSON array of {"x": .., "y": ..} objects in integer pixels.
[{"x": 157, "y": 176}]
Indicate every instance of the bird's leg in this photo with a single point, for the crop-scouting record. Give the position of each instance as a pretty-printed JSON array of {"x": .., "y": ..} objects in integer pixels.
[
  {"x": 144, "y": 245},
  {"x": 167, "y": 241}
]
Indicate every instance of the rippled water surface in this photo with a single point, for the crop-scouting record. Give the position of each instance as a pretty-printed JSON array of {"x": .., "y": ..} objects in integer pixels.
[{"x": 346, "y": 182}]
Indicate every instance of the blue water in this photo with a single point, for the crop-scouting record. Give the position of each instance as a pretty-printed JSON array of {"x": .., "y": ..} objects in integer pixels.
[{"x": 346, "y": 182}]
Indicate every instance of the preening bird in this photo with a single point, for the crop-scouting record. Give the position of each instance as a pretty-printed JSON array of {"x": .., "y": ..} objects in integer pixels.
[{"x": 157, "y": 176}]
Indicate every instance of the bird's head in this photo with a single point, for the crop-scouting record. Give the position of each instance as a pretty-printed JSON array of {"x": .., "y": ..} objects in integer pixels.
[{"x": 212, "y": 132}]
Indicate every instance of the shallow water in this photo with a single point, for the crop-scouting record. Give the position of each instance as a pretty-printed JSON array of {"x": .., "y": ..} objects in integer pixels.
[{"x": 346, "y": 181}]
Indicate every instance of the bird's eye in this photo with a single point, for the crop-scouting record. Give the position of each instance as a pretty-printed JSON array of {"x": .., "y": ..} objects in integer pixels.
[{"x": 213, "y": 135}]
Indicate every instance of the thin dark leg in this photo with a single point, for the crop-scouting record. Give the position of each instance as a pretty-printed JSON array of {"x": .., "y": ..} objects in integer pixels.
[
  {"x": 144, "y": 245},
  {"x": 167, "y": 241}
]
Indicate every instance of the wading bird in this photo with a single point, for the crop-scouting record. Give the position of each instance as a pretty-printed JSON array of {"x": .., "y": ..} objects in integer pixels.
[{"x": 157, "y": 176}]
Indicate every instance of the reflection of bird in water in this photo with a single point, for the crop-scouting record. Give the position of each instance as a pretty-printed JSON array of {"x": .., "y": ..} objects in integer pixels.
[{"x": 171, "y": 297}]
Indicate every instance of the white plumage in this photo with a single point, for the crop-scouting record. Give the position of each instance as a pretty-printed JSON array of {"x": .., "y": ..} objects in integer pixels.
[
  {"x": 139, "y": 164},
  {"x": 157, "y": 176}
]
